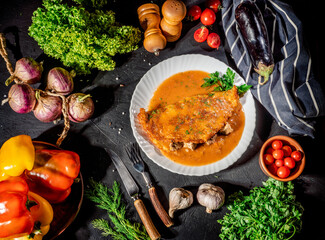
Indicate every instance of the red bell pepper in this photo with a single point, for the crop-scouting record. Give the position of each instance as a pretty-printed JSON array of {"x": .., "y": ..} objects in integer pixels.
[
  {"x": 15, "y": 218},
  {"x": 53, "y": 174}
]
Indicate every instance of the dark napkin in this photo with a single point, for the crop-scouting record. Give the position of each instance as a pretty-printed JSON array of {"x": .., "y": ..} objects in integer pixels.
[{"x": 292, "y": 95}]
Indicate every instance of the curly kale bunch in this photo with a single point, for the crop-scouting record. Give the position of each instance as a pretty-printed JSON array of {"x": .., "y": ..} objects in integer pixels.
[
  {"x": 97, "y": 4},
  {"x": 80, "y": 39}
]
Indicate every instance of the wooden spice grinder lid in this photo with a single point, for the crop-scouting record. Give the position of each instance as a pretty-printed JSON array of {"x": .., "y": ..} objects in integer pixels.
[{"x": 174, "y": 11}]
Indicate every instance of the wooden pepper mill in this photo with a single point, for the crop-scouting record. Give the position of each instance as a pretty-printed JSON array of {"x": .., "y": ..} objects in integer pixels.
[
  {"x": 149, "y": 18},
  {"x": 173, "y": 11}
]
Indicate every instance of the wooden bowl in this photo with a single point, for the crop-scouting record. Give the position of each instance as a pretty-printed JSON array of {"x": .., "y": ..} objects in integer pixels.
[{"x": 300, "y": 165}]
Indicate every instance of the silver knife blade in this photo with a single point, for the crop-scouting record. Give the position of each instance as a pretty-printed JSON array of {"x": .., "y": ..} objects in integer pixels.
[{"x": 129, "y": 183}]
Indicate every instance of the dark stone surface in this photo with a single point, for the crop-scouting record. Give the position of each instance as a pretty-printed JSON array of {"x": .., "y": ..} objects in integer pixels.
[{"x": 112, "y": 112}]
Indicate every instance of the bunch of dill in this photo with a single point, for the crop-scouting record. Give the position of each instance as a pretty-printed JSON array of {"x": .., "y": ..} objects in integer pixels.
[{"x": 110, "y": 199}]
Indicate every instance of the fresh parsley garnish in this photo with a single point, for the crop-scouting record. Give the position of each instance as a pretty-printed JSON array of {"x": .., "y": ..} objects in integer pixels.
[
  {"x": 224, "y": 82},
  {"x": 269, "y": 212},
  {"x": 242, "y": 89}
]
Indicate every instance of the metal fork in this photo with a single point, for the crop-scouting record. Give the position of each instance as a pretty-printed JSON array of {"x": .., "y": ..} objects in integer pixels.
[{"x": 134, "y": 154}]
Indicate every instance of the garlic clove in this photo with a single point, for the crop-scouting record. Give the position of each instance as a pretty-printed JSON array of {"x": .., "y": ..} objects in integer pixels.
[
  {"x": 179, "y": 198},
  {"x": 210, "y": 196}
]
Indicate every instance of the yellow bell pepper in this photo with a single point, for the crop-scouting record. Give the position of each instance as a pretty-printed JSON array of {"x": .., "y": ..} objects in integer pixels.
[
  {"x": 42, "y": 214},
  {"x": 16, "y": 155}
]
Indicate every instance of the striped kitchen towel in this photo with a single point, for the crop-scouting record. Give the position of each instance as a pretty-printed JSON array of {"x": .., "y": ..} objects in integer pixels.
[{"x": 292, "y": 95}]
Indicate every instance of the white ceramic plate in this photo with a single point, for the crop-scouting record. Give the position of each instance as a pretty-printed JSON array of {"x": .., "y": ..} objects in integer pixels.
[{"x": 144, "y": 92}]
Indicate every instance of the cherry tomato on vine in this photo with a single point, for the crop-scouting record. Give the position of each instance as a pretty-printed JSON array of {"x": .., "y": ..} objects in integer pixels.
[
  {"x": 289, "y": 162},
  {"x": 296, "y": 155},
  {"x": 283, "y": 172},
  {"x": 208, "y": 17},
  {"x": 201, "y": 34},
  {"x": 213, "y": 40},
  {"x": 277, "y": 144},
  {"x": 194, "y": 13},
  {"x": 215, "y": 5}
]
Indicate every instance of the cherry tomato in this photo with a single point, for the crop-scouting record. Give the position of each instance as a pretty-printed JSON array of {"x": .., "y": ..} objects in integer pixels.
[
  {"x": 279, "y": 162},
  {"x": 269, "y": 150},
  {"x": 213, "y": 40},
  {"x": 208, "y": 17},
  {"x": 289, "y": 162},
  {"x": 201, "y": 34},
  {"x": 268, "y": 159},
  {"x": 283, "y": 172},
  {"x": 194, "y": 13},
  {"x": 215, "y": 5},
  {"x": 296, "y": 155},
  {"x": 278, "y": 154},
  {"x": 287, "y": 150},
  {"x": 277, "y": 144},
  {"x": 273, "y": 169}
]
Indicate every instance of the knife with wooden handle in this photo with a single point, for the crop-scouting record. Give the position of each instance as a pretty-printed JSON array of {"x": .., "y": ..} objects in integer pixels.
[
  {"x": 133, "y": 191},
  {"x": 165, "y": 218}
]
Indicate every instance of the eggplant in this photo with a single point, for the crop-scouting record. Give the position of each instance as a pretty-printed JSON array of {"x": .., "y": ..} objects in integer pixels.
[{"x": 253, "y": 30}]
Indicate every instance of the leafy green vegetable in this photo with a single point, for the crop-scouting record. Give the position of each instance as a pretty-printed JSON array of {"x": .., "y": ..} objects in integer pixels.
[
  {"x": 242, "y": 89},
  {"x": 224, "y": 82},
  {"x": 98, "y": 4},
  {"x": 80, "y": 39},
  {"x": 110, "y": 199},
  {"x": 269, "y": 212}
]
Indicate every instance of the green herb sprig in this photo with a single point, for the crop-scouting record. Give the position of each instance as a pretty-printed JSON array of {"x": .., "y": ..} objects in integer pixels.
[
  {"x": 269, "y": 212},
  {"x": 110, "y": 199},
  {"x": 224, "y": 82}
]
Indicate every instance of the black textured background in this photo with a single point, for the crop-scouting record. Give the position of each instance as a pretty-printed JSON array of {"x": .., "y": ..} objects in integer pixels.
[{"x": 111, "y": 114}]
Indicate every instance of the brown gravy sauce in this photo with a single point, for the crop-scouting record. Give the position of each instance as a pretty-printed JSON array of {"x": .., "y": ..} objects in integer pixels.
[{"x": 186, "y": 84}]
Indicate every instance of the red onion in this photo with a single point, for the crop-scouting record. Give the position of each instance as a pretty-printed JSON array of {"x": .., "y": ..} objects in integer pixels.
[
  {"x": 21, "y": 98},
  {"x": 80, "y": 107},
  {"x": 48, "y": 108},
  {"x": 60, "y": 81},
  {"x": 27, "y": 70}
]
